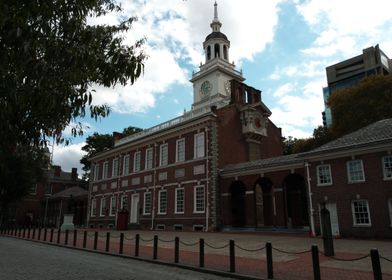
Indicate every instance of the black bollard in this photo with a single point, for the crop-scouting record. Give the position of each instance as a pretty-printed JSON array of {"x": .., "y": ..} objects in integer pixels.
[
  {"x": 376, "y": 264},
  {"x": 155, "y": 254},
  {"x": 201, "y": 252},
  {"x": 51, "y": 235},
  {"x": 45, "y": 233},
  {"x": 95, "y": 240},
  {"x": 58, "y": 235},
  {"x": 270, "y": 269},
  {"x": 39, "y": 233},
  {"x": 176, "y": 249},
  {"x": 232, "y": 256},
  {"x": 107, "y": 241},
  {"x": 66, "y": 237},
  {"x": 75, "y": 237},
  {"x": 137, "y": 237},
  {"x": 85, "y": 239},
  {"x": 33, "y": 237},
  {"x": 121, "y": 249},
  {"x": 316, "y": 263}
]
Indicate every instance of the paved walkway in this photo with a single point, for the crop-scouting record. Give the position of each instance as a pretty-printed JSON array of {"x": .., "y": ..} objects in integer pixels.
[{"x": 291, "y": 252}]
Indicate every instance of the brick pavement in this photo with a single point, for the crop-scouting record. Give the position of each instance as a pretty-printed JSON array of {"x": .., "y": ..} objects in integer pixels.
[{"x": 250, "y": 257}]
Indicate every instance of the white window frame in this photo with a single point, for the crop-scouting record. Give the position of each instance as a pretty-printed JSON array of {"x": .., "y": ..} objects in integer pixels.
[
  {"x": 124, "y": 200},
  {"x": 387, "y": 167},
  {"x": 137, "y": 162},
  {"x": 354, "y": 213},
  {"x": 179, "y": 200},
  {"x": 180, "y": 150},
  {"x": 197, "y": 199},
  {"x": 162, "y": 203},
  {"x": 126, "y": 162},
  {"x": 324, "y": 172},
  {"x": 147, "y": 207},
  {"x": 93, "y": 207},
  {"x": 350, "y": 177},
  {"x": 164, "y": 154},
  {"x": 199, "y": 145},
  {"x": 96, "y": 172},
  {"x": 115, "y": 168},
  {"x": 105, "y": 170},
  {"x": 113, "y": 205},
  {"x": 149, "y": 158},
  {"x": 102, "y": 207}
]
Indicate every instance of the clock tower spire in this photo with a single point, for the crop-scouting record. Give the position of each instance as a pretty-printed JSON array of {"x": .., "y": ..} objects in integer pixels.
[{"x": 212, "y": 84}]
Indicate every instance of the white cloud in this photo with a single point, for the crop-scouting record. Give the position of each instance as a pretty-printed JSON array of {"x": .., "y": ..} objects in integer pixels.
[{"x": 69, "y": 156}]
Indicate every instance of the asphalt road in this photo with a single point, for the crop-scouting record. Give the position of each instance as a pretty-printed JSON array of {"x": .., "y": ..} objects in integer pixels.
[{"x": 20, "y": 260}]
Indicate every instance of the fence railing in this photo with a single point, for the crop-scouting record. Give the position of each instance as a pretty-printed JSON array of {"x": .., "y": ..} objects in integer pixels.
[{"x": 63, "y": 238}]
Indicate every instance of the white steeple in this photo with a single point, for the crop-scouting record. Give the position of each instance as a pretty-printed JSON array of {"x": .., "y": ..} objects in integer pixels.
[{"x": 216, "y": 24}]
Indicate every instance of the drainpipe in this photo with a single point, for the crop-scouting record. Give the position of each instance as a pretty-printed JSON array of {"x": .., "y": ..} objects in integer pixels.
[
  {"x": 207, "y": 182},
  {"x": 312, "y": 230},
  {"x": 154, "y": 186},
  {"x": 118, "y": 189}
]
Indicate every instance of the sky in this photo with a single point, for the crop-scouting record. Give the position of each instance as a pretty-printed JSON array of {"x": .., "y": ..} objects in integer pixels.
[{"x": 282, "y": 47}]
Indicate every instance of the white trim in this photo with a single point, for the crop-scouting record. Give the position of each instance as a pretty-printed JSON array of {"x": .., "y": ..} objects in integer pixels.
[
  {"x": 182, "y": 140},
  {"x": 176, "y": 200},
  {"x": 163, "y": 158},
  {"x": 355, "y": 224},
  {"x": 112, "y": 201},
  {"x": 384, "y": 173},
  {"x": 144, "y": 203},
  {"x": 159, "y": 202},
  {"x": 318, "y": 167},
  {"x": 349, "y": 179},
  {"x": 149, "y": 161},
  {"x": 114, "y": 167},
  {"x": 195, "y": 199},
  {"x": 105, "y": 170},
  {"x": 126, "y": 158},
  {"x": 137, "y": 158},
  {"x": 196, "y": 148},
  {"x": 102, "y": 207},
  {"x": 93, "y": 207}
]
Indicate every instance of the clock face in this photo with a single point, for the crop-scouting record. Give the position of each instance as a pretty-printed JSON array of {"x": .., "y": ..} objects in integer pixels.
[
  {"x": 228, "y": 87},
  {"x": 205, "y": 88}
]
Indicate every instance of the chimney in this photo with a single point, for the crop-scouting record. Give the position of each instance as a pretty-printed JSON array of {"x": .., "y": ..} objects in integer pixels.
[
  {"x": 117, "y": 136},
  {"x": 74, "y": 173},
  {"x": 57, "y": 170}
]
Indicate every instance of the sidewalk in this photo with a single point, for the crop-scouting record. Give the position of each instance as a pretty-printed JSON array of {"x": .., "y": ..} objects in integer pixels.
[{"x": 292, "y": 258}]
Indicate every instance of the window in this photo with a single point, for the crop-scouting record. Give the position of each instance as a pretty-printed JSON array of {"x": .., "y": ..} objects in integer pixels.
[
  {"x": 179, "y": 207},
  {"x": 324, "y": 177},
  {"x": 105, "y": 170},
  {"x": 136, "y": 162},
  {"x": 115, "y": 167},
  {"x": 355, "y": 171},
  {"x": 199, "y": 199},
  {"x": 163, "y": 155},
  {"x": 387, "y": 167},
  {"x": 124, "y": 202},
  {"x": 93, "y": 207},
  {"x": 390, "y": 209},
  {"x": 149, "y": 158},
  {"x": 162, "y": 202},
  {"x": 96, "y": 172},
  {"x": 113, "y": 205},
  {"x": 102, "y": 210},
  {"x": 180, "y": 150},
  {"x": 147, "y": 203},
  {"x": 199, "y": 145},
  {"x": 361, "y": 215},
  {"x": 126, "y": 165}
]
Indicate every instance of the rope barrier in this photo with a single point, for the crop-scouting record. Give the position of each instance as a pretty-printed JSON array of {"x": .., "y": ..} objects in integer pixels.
[
  {"x": 146, "y": 240},
  {"x": 217, "y": 248},
  {"x": 346, "y": 260},
  {"x": 114, "y": 236},
  {"x": 90, "y": 234},
  {"x": 291, "y": 253},
  {"x": 129, "y": 238},
  {"x": 249, "y": 250},
  {"x": 384, "y": 258},
  {"x": 189, "y": 244},
  {"x": 167, "y": 241}
]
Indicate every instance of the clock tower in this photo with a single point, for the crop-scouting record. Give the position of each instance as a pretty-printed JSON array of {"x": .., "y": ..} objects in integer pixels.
[{"x": 212, "y": 83}]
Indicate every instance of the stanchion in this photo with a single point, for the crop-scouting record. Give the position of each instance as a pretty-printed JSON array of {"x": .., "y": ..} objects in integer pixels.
[
  {"x": 176, "y": 249},
  {"x": 107, "y": 241},
  {"x": 33, "y": 237},
  {"x": 316, "y": 263},
  {"x": 28, "y": 233},
  {"x": 270, "y": 269},
  {"x": 66, "y": 237},
  {"x": 155, "y": 253},
  {"x": 39, "y": 233},
  {"x": 45, "y": 233},
  {"x": 75, "y": 237},
  {"x": 58, "y": 235},
  {"x": 201, "y": 252},
  {"x": 24, "y": 232},
  {"x": 20, "y": 232},
  {"x": 51, "y": 235},
  {"x": 85, "y": 239},
  {"x": 232, "y": 256},
  {"x": 95, "y": 240},
  {"x": 137, "y": 237},
  {"x": 121, "y": 250},
  {"x": 376, "y": 264}
]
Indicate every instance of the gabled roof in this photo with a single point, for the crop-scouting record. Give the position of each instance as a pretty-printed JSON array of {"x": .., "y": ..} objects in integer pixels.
[{"x": 76, "y": 192}]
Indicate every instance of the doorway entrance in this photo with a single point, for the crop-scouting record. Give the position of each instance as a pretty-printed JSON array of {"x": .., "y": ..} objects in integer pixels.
[{"x": 238, "y": 193}]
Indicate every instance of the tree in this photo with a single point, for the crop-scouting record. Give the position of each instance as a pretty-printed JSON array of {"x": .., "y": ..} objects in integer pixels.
[
  {"x": 361, "y": 105},
  {"x": 97, "y": 143},
  {"x": 50, "y": 59}
]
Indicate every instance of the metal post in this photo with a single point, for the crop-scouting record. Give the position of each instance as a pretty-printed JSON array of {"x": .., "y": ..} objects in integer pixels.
[
  {"x": 28, "y": 233},
  {"x": 201, "y": 252},
  {"x": 58, "y": 236},
  {"x": 39, "y": 233},
  {"x": 95, "y": 240},
  {"x": 85, "y": 239},
  {"x": 45, "y": 233},
  {"x": 270, "y": 269},
  {"x": 20, "y": 232},
  {"x": 176, "y": 249},
  {"x": 75, "y": 237},
  {"x": 155, "y": 253},
  {"x": 33, "y": 237},
  {"x": 51, "y": 235},
  {"x": 232, "y": 256},
  {"x": 107, "y": 241},
  {"x": 24, "y": 232},
  {"x": 121, "y": 249},
  {"x": 316, "y": 263},
  {"x": 66, "y": 237},
  {"x": 376, "y": 264},
  {"x": 137, "y": 237}
]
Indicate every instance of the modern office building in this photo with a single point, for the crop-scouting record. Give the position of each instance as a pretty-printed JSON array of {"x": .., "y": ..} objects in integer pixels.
[{"x": 372, "y": 61}]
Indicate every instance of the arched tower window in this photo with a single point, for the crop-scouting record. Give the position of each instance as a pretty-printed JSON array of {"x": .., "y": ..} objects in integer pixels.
[
  {"x": 208, "y": 52},
  {"x": 225, "y": 52},
  {"x": 216, "y": 50}
]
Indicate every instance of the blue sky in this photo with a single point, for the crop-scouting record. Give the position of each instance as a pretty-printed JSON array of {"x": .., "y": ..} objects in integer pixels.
[{"x": 282, "y": 47}]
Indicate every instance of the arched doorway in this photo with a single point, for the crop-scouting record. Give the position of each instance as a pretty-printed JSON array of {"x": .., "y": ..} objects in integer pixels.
[
  {"x": 264, "y": 204},
  {"x": 238, "y": 192},
  {"x": 296, "y": 201}
]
